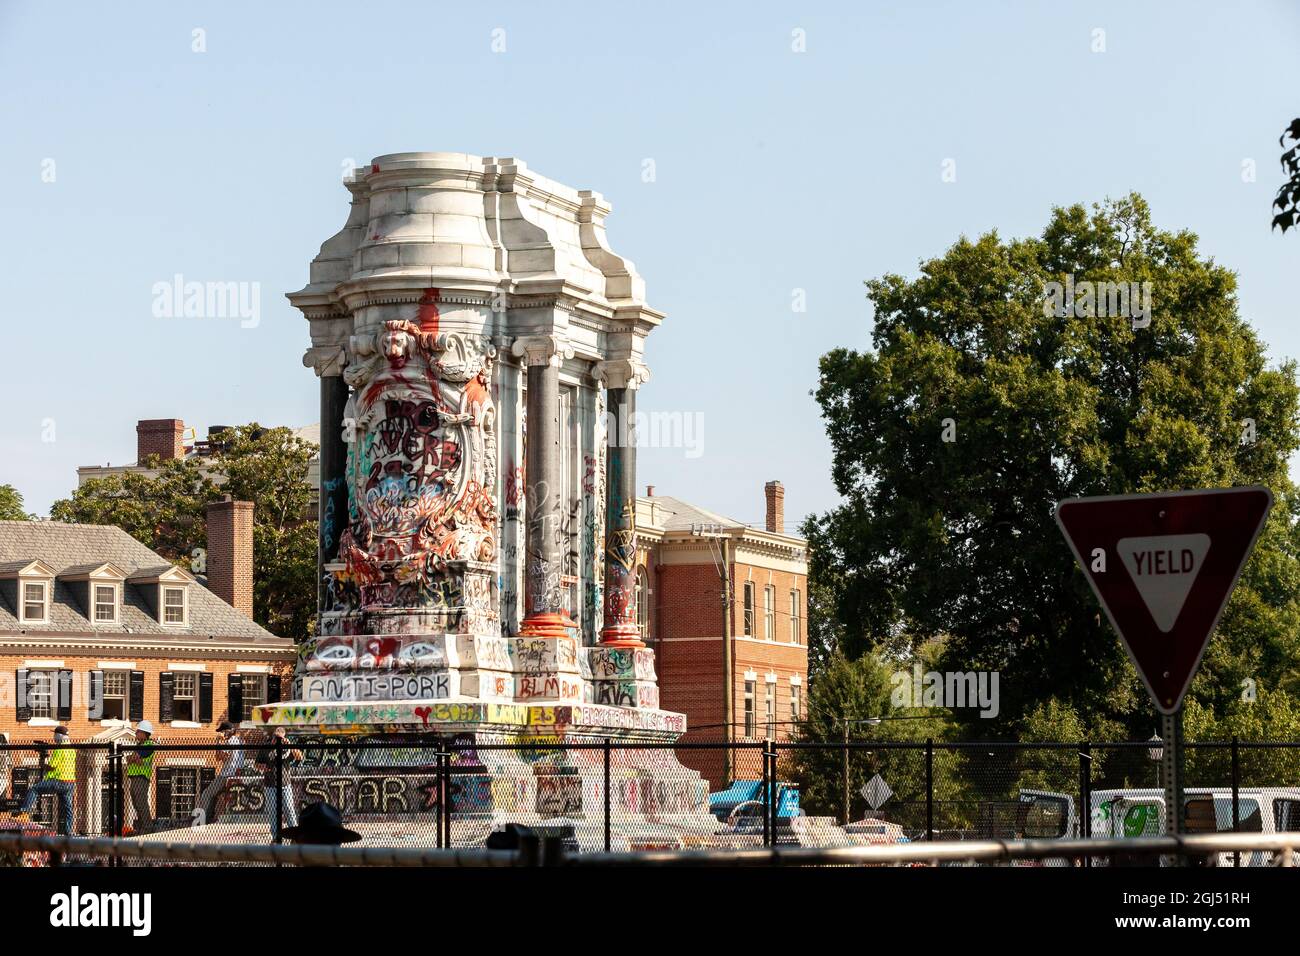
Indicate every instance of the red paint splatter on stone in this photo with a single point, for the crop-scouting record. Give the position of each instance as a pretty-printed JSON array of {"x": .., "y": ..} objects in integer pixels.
[{"x": 428, "y": 314}]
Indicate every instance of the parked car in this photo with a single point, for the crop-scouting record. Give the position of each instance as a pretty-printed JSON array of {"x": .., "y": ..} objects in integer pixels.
[
  {"x": 747, "y": 818},
  {"x": 873, "y": 831}
]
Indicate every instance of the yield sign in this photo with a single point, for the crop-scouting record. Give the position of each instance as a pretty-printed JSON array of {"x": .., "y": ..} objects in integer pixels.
[{"x": 1162, "y": 566}]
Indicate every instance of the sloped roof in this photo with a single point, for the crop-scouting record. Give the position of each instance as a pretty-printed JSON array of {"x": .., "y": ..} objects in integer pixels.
[
  {"x": 673, "y": 514},
  {"x": 67, "y": 547}
]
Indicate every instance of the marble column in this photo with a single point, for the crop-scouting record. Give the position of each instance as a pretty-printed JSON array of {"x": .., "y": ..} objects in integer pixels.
[
  {"x": 546, "y": 612},
  {"x": 622, "y": 377}
]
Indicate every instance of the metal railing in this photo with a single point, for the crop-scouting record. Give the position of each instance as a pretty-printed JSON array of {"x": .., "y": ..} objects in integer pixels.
[
  {"x": 611, "y": 794},
  {"x": 551, "y": 852}
]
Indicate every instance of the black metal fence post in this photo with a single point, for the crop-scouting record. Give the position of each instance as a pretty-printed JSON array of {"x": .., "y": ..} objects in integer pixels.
[
  {"x": 1085, "y": 795},
  {"x": 929, "y": 789},
  {"x": 776, "y": 790},
  {"x": 1236, "y": 804},
  {"x": 279, "y": 788},
  {"x": 607, "y": 795},
  {"x": 444, "y": 797},
  {"x": 440, "y": 767},
  {"x": 115, "y": 813},
  {"x": 767, "y": 833},
  {"x": 446, "y": 816}
]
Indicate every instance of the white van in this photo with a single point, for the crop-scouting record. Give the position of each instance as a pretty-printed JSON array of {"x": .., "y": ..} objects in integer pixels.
[{"x": 1136, "y": 813}]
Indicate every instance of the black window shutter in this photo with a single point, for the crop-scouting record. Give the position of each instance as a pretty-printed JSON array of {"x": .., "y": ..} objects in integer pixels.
[
  {"x": 137, "y": 696},
  {"x": 205, "y": 698},
  {"x": 234, "y": 698},
  {"x": 95, "y": 707},
  {"x": 166, "y": 687},
  {"x": 22, "y": 779},
  {"x": 273, "y": 689},
  {"x": 24, "y": 707},
  {"x": 163, "y": 792},
  {"x": 65, "y": 695},
  {"x": 206, "y": 776}
]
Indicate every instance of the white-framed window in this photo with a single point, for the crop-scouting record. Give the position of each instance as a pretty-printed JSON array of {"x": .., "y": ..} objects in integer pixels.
[
  {"x": 749, "y": 609},
  {"x": 795, "y": 605},
  {"x": 105, "y": 603},
  {"x": 115, "y": 694},
  {"x": 795, "y": 714},
  {"x": 42, "y": 687},
  {"x": 36, "y": 601},
  {"x": 254, "y": 694},
  {"x": 185, "y": 695},
  {"x": 185, "y": 791},
  {"x": 769, "y": 613},
  {"x": 174, "y": 605},
  {"x": 749, "y": 708},
  {"x": 770, "y": 710}
]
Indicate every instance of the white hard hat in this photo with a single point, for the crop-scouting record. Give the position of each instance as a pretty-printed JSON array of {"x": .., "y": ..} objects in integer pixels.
[{"x": 145, "y": 726}]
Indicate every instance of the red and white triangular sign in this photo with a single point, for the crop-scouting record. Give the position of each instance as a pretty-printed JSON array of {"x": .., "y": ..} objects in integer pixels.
[{"x": 1162, "y": 566}]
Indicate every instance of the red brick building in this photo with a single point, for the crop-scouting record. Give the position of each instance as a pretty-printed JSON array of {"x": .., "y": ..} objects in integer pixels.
[
  {"x": 98, "y": 632},
  {"x": 690, "y": 560}
]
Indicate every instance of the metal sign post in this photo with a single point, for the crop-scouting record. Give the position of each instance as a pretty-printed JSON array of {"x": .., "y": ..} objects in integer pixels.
[{"x": 1171, "y": 732}]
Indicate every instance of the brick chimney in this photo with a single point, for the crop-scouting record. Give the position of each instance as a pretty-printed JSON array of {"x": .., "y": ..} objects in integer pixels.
[
  {"x": 775, "y": 506},
  {"x": 230, "y": 553},
  {"x": 159, "y": 436},
  {"x": 649, "y": 491}
]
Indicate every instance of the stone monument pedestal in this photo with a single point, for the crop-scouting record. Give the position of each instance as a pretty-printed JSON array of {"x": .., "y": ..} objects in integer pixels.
[{"x": 524, "y": 721}]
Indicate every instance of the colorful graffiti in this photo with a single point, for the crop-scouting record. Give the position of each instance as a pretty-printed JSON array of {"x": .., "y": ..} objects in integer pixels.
[{"x": 422, "y": 473}]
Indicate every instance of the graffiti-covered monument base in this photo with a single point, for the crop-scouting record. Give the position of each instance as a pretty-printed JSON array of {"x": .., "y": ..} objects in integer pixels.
[
  {"x": 505, "y": 766},
  {"x": 474, "y": 336}
]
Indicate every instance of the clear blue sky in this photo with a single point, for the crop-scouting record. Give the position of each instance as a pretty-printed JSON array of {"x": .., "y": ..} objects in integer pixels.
[{"x": 775, "y": 171}]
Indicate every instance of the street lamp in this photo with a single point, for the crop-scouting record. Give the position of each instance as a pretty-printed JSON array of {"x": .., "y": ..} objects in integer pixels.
[{"x": 1157, "y": 753}]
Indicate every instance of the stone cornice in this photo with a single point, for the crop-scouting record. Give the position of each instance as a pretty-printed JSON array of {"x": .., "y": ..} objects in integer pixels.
[{"x": 133, "y": 646}]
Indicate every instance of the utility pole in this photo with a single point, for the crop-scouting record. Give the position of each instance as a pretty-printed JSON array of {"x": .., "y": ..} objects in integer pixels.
[{"x": 721, "y": 558}]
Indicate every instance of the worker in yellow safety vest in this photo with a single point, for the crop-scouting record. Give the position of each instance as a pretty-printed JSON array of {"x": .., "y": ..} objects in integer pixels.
[
  {"x": 60, "y": 779},
  {"x": 139, "y": 776}
]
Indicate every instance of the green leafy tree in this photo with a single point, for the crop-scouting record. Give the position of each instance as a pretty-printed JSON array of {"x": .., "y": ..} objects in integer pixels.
[
  {"x": 269, "y": 468},
  {"x": 1288, "y": 194},
  {"x": 11, "y": 504},
  {"x": 825, "y": 632},
  {"x": 163, "y": 510},
  {"x": 1273, "y": 715},
  {"x": 166, "y": 511},
  {"x": 853, "y": 694},
  {"x": 982, "y": 404}
]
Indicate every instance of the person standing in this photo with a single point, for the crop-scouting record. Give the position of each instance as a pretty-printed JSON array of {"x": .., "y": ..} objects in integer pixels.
[
  {"x": 232, "y": 761},
  {"x": 60, "y": 779},
  {"x": 265, "y": 762},
  {"x": 139, "y": 776}
]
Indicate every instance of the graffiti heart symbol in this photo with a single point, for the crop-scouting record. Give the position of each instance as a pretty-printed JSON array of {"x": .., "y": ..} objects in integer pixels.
[{"x": 423, "y": 713}]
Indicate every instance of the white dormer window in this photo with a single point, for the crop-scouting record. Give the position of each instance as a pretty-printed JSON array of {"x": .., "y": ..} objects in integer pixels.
[
  {"x": 105, "y": 603},
  {"x": 167, "y": 587},
  {"x": 175, "y": 610},
  {"x": 30, "y": 585},
  {"x": 36, "y": 602}
]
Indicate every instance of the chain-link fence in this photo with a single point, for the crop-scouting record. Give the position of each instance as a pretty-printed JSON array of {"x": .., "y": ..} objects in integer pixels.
[{"x": 603, "y": 795}]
